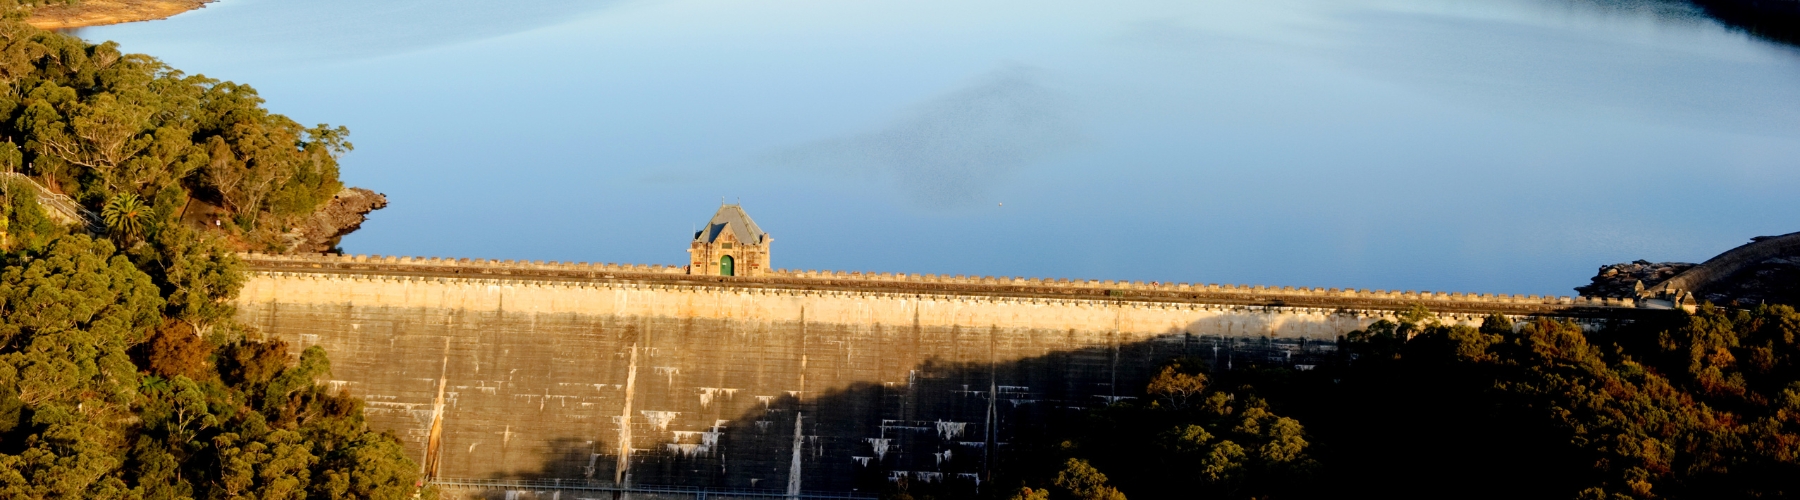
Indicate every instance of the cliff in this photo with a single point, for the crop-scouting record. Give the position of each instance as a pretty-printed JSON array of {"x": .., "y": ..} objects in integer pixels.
[
  {"x": 1764, "y": 271},
  {"x": 1629, "y": 278},
  {"x": 345, "y": 213},
  {"x": 104, "y": 12}
]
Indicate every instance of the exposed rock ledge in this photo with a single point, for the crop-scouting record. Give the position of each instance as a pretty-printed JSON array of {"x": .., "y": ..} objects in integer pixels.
[
  {"x": 344, "y": 213},
  {"x": 1628, "y": 279},
  {"x": 1765, "y": 271},
  {"x": 104, "y": 12}
]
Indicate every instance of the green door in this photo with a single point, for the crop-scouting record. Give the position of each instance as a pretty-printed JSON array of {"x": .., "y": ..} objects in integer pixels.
[{"x": 725, "y": 267}]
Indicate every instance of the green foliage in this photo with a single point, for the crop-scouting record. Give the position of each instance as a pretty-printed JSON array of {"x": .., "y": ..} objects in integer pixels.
[
  {"x": 1175, "y": 387},
  {"x": 80, "y": 418},
  {"x": 70, "y": 317},
  {"x": 1684, "y": 406},
  {"x": 197, "y": 271},
  {"x": 28, "y": 227},
  {"x": 109, "y": 128},
  {"x": 1697, "y": 406},
  {"x": 122, "y": 373},
  {"x": 1193, "y": 438},
  {"x": 1083, "y": 482},
  {"x": 125, "y": 215}
]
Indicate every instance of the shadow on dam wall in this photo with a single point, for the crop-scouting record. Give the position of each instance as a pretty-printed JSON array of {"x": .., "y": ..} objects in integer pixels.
[
  {"x": 948, "y": 429},
  {"x": 735, "y": 404}
]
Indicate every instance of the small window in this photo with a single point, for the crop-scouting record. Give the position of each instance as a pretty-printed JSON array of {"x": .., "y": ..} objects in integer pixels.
[{"x": 726, "y": 246}]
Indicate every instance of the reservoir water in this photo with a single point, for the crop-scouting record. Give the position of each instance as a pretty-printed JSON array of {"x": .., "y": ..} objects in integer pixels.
[{"x": 1505, "y": 146}]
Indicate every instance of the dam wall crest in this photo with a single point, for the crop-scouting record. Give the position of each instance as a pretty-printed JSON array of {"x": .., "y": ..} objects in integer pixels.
[{"x": 526, "y": 269}]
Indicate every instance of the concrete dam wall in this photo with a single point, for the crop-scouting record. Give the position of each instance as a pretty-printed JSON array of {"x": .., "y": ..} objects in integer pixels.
[{"x": 795, "y": 381}]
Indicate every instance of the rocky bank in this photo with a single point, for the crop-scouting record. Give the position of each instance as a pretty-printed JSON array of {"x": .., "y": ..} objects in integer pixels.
[{"x": 345, "y": 213}]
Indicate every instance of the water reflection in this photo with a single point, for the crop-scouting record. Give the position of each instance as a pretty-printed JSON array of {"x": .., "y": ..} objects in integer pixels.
[
  {"x": 1504, "y": 146},
  {"x": 950, "y": 151}
]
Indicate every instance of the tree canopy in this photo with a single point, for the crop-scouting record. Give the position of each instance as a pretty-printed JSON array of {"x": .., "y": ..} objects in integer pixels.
[
  {"x": 1702, "y": 405},
  {"x": 122, "y": 371}
]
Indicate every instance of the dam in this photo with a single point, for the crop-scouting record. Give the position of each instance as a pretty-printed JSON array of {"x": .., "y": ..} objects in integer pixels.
[{"x": 785, "y": 382}]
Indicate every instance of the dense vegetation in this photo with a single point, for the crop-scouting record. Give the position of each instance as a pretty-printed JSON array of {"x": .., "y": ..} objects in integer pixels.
[
  {"x": 122, "y": 372},
  {"x": 1702, "y": 405},
  {"x": 102, "y": 126}
]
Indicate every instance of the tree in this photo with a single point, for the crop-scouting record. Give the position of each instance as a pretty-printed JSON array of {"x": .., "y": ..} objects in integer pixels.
[
  {"x": 124, "y": 375},
  {"x": 28, "y": 227},
  {"x": 1083, "y": 482},
  {"x": 124, "y": 215},
  {"x": 1176, "y": 387}
]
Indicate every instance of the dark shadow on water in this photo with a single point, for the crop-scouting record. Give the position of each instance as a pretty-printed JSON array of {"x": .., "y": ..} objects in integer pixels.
[{"x": 1777, "y": 20}]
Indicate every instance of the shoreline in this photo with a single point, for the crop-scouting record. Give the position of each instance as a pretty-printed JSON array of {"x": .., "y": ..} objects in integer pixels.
[{"x": 105, "y": 12}]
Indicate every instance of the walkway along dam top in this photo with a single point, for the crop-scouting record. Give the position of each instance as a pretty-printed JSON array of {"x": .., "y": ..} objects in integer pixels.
[{"x": 972, "y": 286}]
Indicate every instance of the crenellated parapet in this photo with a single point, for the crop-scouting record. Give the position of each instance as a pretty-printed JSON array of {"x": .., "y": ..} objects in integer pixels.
[{"x": 857, "y": 281}]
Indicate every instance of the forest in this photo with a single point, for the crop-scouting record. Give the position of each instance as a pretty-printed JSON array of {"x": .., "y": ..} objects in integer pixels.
[
  {"x": 1687, "y": 406},
  {"x": 122, "y": 371}
]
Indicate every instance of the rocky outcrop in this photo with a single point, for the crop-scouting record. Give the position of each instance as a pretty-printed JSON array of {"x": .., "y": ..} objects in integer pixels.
[
  {"x": 1764, "y": 271},
  {"x": 345, "y": 213},
  {"x": 1628, "y": 279},
  {"x": 104, "y": 12},
  {"x": 1772, "y": 281}
]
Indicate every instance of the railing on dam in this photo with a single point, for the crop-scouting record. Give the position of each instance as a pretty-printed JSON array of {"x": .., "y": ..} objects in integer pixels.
[
  {"x": 430, "y": 267},
  {"x": 547, "y": 486}
]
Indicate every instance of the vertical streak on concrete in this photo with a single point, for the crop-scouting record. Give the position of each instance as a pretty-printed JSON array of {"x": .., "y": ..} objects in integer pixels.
[
  {"x": 802, "y": 392},
  {"x": 1118, "y": 313},
  {"x": 621, "y": 471},
  {"x": 436, "y": 434},
  {"x": 907, "y": 408},
  {"x": 793, "y": 489},
  {"x": 987, "y": 448}
]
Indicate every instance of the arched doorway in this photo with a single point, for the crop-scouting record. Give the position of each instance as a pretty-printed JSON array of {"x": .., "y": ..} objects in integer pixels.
[{"x": 725, "y": 266}]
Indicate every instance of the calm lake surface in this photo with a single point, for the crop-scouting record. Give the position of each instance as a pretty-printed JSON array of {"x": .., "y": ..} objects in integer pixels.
[{"x": 1506, "y": 146}]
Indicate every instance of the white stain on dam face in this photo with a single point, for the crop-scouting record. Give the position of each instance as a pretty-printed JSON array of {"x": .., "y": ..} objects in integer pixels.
[
  {"x": 668, "y": 371},
  {"x": 901, "y": 425},
  {"x": 705, "y": 438},
  {"x": 880, "y": 445},
  {"x": 708, "y": 393},
  {"x": 660, "y": 419},
  {"x": 950, "y": 430}
]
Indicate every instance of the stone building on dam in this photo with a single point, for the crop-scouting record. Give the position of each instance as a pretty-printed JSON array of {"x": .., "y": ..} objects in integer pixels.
[{"x": 727, "y": 374}]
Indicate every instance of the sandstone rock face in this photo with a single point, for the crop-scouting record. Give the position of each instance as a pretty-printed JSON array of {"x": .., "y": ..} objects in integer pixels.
[
  {"x": 1623, "y": 280},
  {"x": 1775, "y": 280},
  {"x": 1772, "y": 281},
  {"x": 343, "y": 214}
]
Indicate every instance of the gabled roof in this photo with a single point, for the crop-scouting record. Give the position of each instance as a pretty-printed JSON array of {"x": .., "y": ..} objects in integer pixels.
[{"x": 731, "y": 217}]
